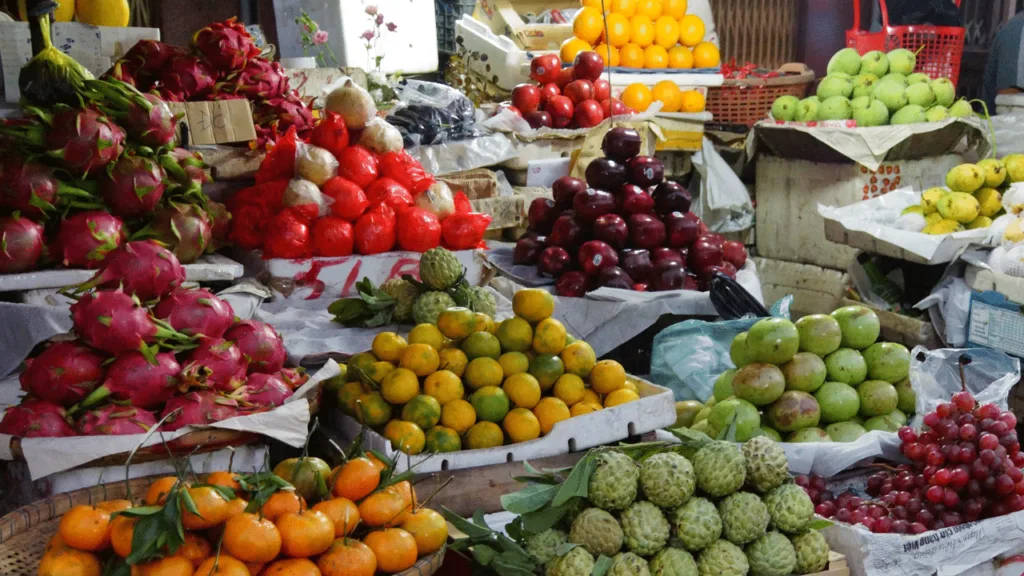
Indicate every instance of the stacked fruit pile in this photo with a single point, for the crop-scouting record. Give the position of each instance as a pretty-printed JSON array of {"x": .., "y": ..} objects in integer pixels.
[
  {"x": 115, "y": 378},
  {"x": 222, "y": 62},
  {"x": 572, "y": 97},
  {"x": 973, "y": 197},
  {"x": 363, "y": 520},
  {"x": 876, "y": 89},
  {"x": 630, "y": 229},
  {"x": 729, "y": 511}
]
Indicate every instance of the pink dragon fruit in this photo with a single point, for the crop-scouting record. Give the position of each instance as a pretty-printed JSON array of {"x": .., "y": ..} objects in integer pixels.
[
  {"x": 21, "y": 244},
  {"x": 124, "y": 71},
  {"x": 64, "y": 373},
  {"x": 36, "y": 419},
  {"x": 86, "y": 239},
  {"x": 33, "y": 188},
  {"x": 116, "y": 420},
  {"x": 142, "y": 268},
  {"x": 183, "y": 228},
  {"x": 186, "y": 77},
  {"x": 294, "y": 377},
  {"x": 264, "y": 391},
  {"x": 84, "y": 139},
  {"x": 151, "y": 56},
  {"x": 186, "y": 169},
  {"x": 220, "y": 224},
  {"x": 196, "y": 311},
  {"x": 261, "y": 345},
  {"x": 134, "y": 186},
  {"x": 145, "y": 117},
  {"x": 134, "y": 379},
  {"x": 274, "y": 116},
  {"x": 226, "y": 45},
  {"x": 216, "y": 363},
  {"x": 259, "y": 80},
  {"x": 198, "y": 408},
  {"x": 115, "y": 322}
]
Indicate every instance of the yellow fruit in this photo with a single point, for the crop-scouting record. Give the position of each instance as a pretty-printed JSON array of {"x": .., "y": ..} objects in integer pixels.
[
  {"x": 680, "y": 57},
  {"x": 372, "y": 409},
  {"x": 620, "y": 397},
  {"x": 650, "y": 8},
  {"x": 943, "y": 226},
  {"x": 571, "y": 47},
  {"x": 655, "y": 57},
  {"x": 669, "y": 94},
  {"x": 631, "y": 56},
  {"x": 362, "y": 361},
  {"x": 523, "y": 390},
  {"x": 456, "y": 323},
  {"x": 521, "y": 425},
  {"x": 442, "y": 439},
  {"x": 591, "y": 397},
  {"x": 485, "y": 323},
  {"x": 400, "y": 386},
  {"x": 618, "y": 29},
  {"x": 930, "y": 199},
  {"x": 991, "y": 201},
  {"x": 674, "y": 8},
  {"x": 607, "y": 377},
  {"x": 582, "y": 408},
  {"x": 379, "y": 370},
  {"x": 609, "y": 55},
  {"x": 550, "y": 411},
  {"x": 515, "y": 334},
  {"x": 933, "y": 218},
  {"x": 423, "y": 410},
  {"x": 64, "y": 12},
  {"x": 691, "y": 30},
  {"x": 625, "y": 7},
  {"x": 481, "y": 345},
  {"x": 405, "y": 436},
  {"x": 641, "y": 31},
  {"x": 443, "y": 385},
  {"x": 453, "y": 360},
  {"x": 979, "y": 222},
  {"x": 514, "y": 363},
  {"x": 388, "y": 346},
  {"x": 458, "y": 415},
  {"x": 421, "y": 359},
  {"x": 591, "y": 4},
  {"x": 102, "y": 12},
  {"x": 637, "y": 96},
  {"x": 666, "y": 32},
  {"x": 569, "y": 389},
  {"x": 693, "y": 101},
  {"x": 630, "y": 385},
  {"x": 549, "y": 337},
  {"x": 491, "y": 404},
  {"x": 533, "y": 304},
  {"x": 705, "y": 55},
  {"x": 484, "y": 435},
  {"x": 427, "y": 334},
  {"x": 578, "y": 358},
  {"x": 546, "y": 368},
  {"x": 348, "y": 394},
  {"x": 483, "y": 372},
  {"x": 588, "y": 25}
]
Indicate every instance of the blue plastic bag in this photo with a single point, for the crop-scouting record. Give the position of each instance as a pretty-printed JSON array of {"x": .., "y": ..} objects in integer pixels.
[{"x": 688, "y": 356}]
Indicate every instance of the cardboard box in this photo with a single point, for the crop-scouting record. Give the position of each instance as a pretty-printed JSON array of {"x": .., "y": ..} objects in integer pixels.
[
  {"x": 815, "y": 290},
  {"x": 505, "y": 17},
  {"x": 218, "y": 121}
]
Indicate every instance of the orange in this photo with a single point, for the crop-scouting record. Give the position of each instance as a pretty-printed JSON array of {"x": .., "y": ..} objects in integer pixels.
[
  {"x": 170, "y": 566},
  {"x": 389, "y": 507},
  {"x": 355, "y": 479},
  {"x": 691, "y": 30},
  {"x": 235, "y": 507},
  {"x": 551, "y": 411},
  {"x": 305, "y": 534},
  {"x": 637, "y": 96},
  {"x": 693, "y": 101},
  {"x": 111, "y": 506},
  {"x": 213, "y": 509},
  {"x": 625, "y": 7},
  {"x": 641, "y": 30},
  {"x": 618, "y": 30},
  {"x": 655, "y": 57},
  {"x": 607, "y": 376},
  {"x": 674, "y": 8},
  {"x": 650, "y": 8},
  {"x": 680, "y": 57},
  {"x": 70, "y": 562},
  {"x": 705, "y": 55},
  {"x": 631, "y": 56},
  {"x": 609, "y": 55},
  {"x": 348, "y": 557},
  {"x": 222, "y": 565},
  {"x": 251, "y": 538},
  {"x": 666, "y": 32},
  {"x": 159, "y": 490},
  {"x": 254, "y": 568},
  {"x": 225, "y": 479},
  {"x": 86, "y": 528},
  {"x": 291, "y": 567},
  {"x": 620, "y": 397},
  {"x": 377, "y": 462},
  {"x": 394, "y": 548},
  {"x": 571, "y": 47},
  {"x": 122, "y": 528},
  {"x": 343, "y": 512},
  {"x": 428, "y": 528},
  {"x": 282, "y": 502},
  {"x": 669, "y": 94},
  {"x": 588, "y": 25},
  {"x": 195, "y": 549}
]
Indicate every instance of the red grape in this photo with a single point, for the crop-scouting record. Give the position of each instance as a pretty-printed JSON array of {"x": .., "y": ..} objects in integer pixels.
[
  {"x": 843, "y": 515},
  {"x": 914, "y": 506},
  {"x": 942, "y": 477},
  {"x": 951, "y": 499},
  {"x": 926, "y": 437},
  {"x": 1018, "y": 459},
  {"x": 907, "y": 434},
  {"x": 987, "y": 457},
  {"x": 868, "y": 523},
  {"x": 965, "y": 419},
  {"x": 999, "y": 428},
  {"x": 986, "y": 423},
  {"x": 802, "y": 481},
  {"x": 882, "y": 525},
  {"x": 899, "y": 512},
  {"x": 1000, "y": 509},
  {"x": 988, "y": 441},
  {"x": 925, "y": 517},
  {"x": 951, "y": 519},
  {"x": 914, "y": 451},
  {"x": 1019, "y": 488},
  {"x": 936, "y": 458},
  {"x": 964, "y": 401},
  {"x": 935, "y": 494},
  {"x": 853, "y": 503},
  {"x": 826, "y": 509},
  {"x": 959, "y": 478},
  {"x": 876, "y": 511},
  {"x": 944, "y": 410},
  {"x": 1009, "y": 419},
  {"x": 818, "y": 483},
  {"x": 968, "y": 453},
  {"x": 858, "y": 516},
  {"x": 968, "y": 432},
  {"x": 917, "y": 528},
  {"x": 1004, "y": 484},
  {"x": 988, "y": 411},
  {"x": 931, "y": 420},
  {"x": 1014, "y": 473},
  {"x": 902, "y": 498}
]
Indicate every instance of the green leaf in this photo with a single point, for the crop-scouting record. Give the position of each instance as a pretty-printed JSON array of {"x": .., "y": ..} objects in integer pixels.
[
  {"x": 465, "y": 526},
  {"x": 484, "y": 554},
  {"x": 691, "y": 438},
  {"x": 479, "y": 520},
  {"x": 602, "y": 566},
  {"x": 531, "y": 498},
  {"x": 504, "y": 569},
  {"x": 140, "y": 511},
  {"x": 513, "y": 552},
  {"x": 730, "y": 431},
  {"x": 225, "y": 492},
  {"x": 536, "y": 480},
  {"x": 346, "y": 306},
  {"x": 529, "y": 468},
  {"x": 576, "y": 485},
  {"x": 189, "y": 504},
  {"x": 565, "y": 549},
  {"x": 819, "y": 524},
  {"x": 540, "y": 520},
  {"x": 116, "y": 566}
]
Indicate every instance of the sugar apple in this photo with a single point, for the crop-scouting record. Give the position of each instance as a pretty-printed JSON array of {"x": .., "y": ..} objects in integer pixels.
[
  {"x": 576, "y": 562},
  {"x": 697, "y": 524},
  {"x": 771, "y": 555},
  {"x": 767, "y": 467},
  {"x": 790, "y": 507},
  {"x": 811, "y": 552},
  {"x": 404, "y": 293},
  {"x": 744, "y": 517},
  {"x": 628, "y": 564},
  {"x": 481, "y": 300},
  {"x": 614, "y": 481},
  {"x": 572, "y": 509},
  {"x": 673, "y": 562},
  {"x": 723, "y": 558},
  {"x": 667, "y": 479},
  {"x": 597, "y": 531},
  {"x": 644, "y": 528},
  {"x": 720, "y": 469},
  {"x": 429, "y": 305},
  {"x": 439, "y": 269},
  {"x": 543, "y": 547}
]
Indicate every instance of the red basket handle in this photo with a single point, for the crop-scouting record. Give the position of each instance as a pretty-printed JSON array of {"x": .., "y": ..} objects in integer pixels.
[{"x": 885, "y": 13}]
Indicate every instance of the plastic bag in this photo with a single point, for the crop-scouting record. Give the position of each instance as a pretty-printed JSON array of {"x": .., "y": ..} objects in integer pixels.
[
  {"x": 403, "y": 168},
  {"x": 375, "y": 230},
  {"x": 251, "y": 210},
  {"x": 315, "y": 164},
  {"x": 349, "y": 200},
  {"x": 358, "y": 165},
  {"x": 461, "y": 203},
  {"x": 432, "y": 113},
  {"x": 438, "y": 200},
  {"x": 333, "y": 236},
  {"x": 305, "y": 197},
  {"x": 381, "y": 137},
  {"x": 330, "y": 133},
  {"x": 389, "y": 192},
  {"x": 935, "y": 376},
  {"x": 279, "y": 163},
  {"x": 418, "y": 230},
  {"x": 288, "y": 236},
  {"x": 464, "y": 231}
]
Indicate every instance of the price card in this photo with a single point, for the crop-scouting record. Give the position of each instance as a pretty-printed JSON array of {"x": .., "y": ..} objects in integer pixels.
[
  {"x": 995, "y": 322},
  {"x": 217, "y": 122}
]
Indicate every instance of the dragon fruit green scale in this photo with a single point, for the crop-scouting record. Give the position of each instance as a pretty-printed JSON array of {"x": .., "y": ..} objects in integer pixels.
[
  {"x": 614, "y": 482},
  {"x": 811, "y": 552},
  {"x": 723, "y": 558},
  {"x": 771, "y": 555},
  {"x": 429, "y": 305},
  {"x": 644, "y": 528},
  {"x": 744, "y": 517},
  {"x": 790, "y": 507},
  {"x": 673, "y": 562},
  {"x": 667, "y": 479},
  {"x": 628, "y": 564},
  {"x": 767, "y": 467},
  {"x": 720, "y": 469},
  {"x": 439, "y": 269}
]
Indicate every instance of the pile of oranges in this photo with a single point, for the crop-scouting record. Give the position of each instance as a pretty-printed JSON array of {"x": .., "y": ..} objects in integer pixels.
[
  {"x": 641, "y": 34},
  {"x": 673, "y": 98},
  {"x": 253, "y": 525}
]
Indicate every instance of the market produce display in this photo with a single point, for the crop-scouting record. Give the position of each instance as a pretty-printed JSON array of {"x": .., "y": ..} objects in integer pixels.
[
  {"x": 972, "y": 198},
  {"x": 625, "y": 227},
  {"x": 876, "y": 89},
  {"x": 724, "y": 510}
]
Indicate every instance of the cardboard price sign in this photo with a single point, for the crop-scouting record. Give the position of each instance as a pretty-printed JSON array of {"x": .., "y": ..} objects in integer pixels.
[{"x": 218, "y": 121}]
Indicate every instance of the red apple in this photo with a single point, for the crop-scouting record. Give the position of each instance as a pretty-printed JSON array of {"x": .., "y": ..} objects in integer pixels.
[
  {"x": 703, "y": 228},
  {"x": 725, "y": 268},
  {"x": 566, "y": 232},
  {"x": 621, "y": 143},
  {"x": 538, "y": 119},
  {"x": 646, "y": 231},
  {"x": 553, "y": 260},
  {"x": 735, "y": 253},
  {"x": 705, "y": 255},
  {"x": 588, "y": 65},
  {"x": 670, "y": 197},
  {"x": 612, "y": 229},
  {"x": 602, "y": 90},
  {"x": 682, "y": 229},
  {"x": 578, "y": 91},
  {"x": 526, "y": 97},
  {"x": 640, "y": 287},
  {"x": 561, "y": 110},
  {"x": 716, "y": 239},
  {"x": 634, "y": 200},
  {"x": 667, "y": 275},
  {"x": 605, "y": 174},
  {"x": 612, "y": 107},
  {"x": 614, "y": 277},
  {"x": 564, "y": 77},
  {"x": 592, "y": 203},
  {"x": 527, "y": 250},
  {"x": 508, "y": 106},
  {"x": 545, "y": 68},
  {"x": 542, "y": 214},
  {"x": 572, "y": 284},
  {"x": 665, "y": 253},
  {"x": 588, "y": 114},
  {"x": 595, "y": 256},
  {"x": 636, "y": 263},
  {"x": 565, "y": 189},
  {"x": 549, "y": 91},
  {"x": 691, "y": 282},
  {"x": 645, "y": 171}
]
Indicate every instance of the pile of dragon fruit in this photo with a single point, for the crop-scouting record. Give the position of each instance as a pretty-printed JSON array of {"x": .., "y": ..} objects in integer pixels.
[
  {"x": 222, "y": 62},
  {"x": 146, "y": 348}
]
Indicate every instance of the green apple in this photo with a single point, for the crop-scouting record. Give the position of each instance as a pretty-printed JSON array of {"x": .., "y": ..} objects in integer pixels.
[{"x": 784, "y": 108}]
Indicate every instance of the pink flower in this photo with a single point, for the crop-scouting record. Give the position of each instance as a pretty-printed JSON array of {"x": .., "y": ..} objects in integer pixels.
[
  {"x": 320, "y": 37},
  {"x": 392, "y": 26},
  {"x": 371, "y": 10},
  {"x": 368, "y": 35},
  {"x": 380, "y": 19},
  {"x": 307, "y": 28}
]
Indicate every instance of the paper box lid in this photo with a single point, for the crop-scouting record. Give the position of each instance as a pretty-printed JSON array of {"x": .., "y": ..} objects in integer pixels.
[{"x": 505, "y": 17}]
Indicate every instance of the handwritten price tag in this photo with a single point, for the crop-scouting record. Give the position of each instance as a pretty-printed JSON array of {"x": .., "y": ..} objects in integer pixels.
[{"x": 217, "y": 122}]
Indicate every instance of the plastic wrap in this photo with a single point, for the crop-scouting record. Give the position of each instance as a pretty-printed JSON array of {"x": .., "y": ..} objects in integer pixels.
[
  {"x": 464, "y": 231},
  {"x": 432, "y": 113},
  {"x": 348, "y": 200},
  {"x": 418, "y": 230},
  {"x": 306, "y": 197},
  {"x": 402, "y": 167},
  {"x": 288, "y": 235},
  {"x": 381, "y": 137},
  {"x": 315, "y": 164},
  {"x": 279, "y": 163},
  {"x": 480, "y": 152},
  {"x": 375, "y": 231},
  {"x": 333, "y": 236},
  {"x": 438, "y": 200}
]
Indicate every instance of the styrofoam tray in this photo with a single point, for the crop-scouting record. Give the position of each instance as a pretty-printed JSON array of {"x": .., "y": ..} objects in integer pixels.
[
  {"x": 982, "y": 280},
  {"x": 209, "y": 268},
  {"x": 654, "y": 410}
]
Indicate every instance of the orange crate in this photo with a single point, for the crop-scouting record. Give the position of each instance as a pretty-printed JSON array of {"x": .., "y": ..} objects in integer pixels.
[{"x": 747, "y": 101}]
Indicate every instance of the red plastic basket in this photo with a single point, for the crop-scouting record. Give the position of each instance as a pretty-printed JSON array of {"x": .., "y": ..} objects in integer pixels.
[
  {"x": 939, "y": 48},
  {"x": 747, "y": 101}
]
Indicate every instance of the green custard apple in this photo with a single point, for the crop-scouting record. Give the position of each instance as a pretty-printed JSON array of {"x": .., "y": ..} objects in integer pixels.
[
  {"x": 697, "y": 524},
  {"x": 576, "y": 562},
  {"x": 744, "y": 517},
  {"x": 673, "y": 562},
  {"x": 811, "y": 552},
  {"x": 723, "y": 558},
  {"x": 597, "y": 531},
  {"x": 767, "y": 467},
  {"x": 440, "y": 269},
  {"x": 771, "y": 555},
  {"x": 790, "y": 507},
  {"x": 614, "y": 481},
  {"x": 667, "y": 479},
  {"x": 628, "y": 564},
  {"x": 644, "y": 528},
  {"x": 481, "y": 300},
  {"x": 720, "y": 469},
  {"x": 429, "y": 306},
  {"x": 405, "y": 294},
  {"x": 543, "y": 547}
]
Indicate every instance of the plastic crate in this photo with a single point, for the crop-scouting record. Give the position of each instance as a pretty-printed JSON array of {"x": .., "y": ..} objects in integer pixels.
[
  {"x": 747, "y": 101},
  {"x": 446, "y": 14}
]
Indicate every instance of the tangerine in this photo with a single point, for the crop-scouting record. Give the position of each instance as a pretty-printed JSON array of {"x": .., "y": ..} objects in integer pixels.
[
  {"x": 620, "y": 397},
  {"x": 69, "y": 562},
  {"x": 522, "y": 389},
  {"x": 637, "y": 96},
  {"x": 705, "y": 55},
  {"x": 169, "y": 566},
  {"x": 426, "y": 334},
  {"x": 514, "y": 363},
  {"x": 112, "y": 506},
  {"x": 394, "y": 548},
  {"x": 550, "y": 411},
  {"x": 655, "y": 57},
  {"x": 405, "y": 436},
  {"x": 691, "y": 30},
  {"x": 642, "y": 30},
  {"x": 400, "y": 386},
  {"x": 674, "y": 8},
  {"x": 362, "y": 361},
  {"x": 305, "y": 534},
  {"x": 571, "y": 47},
  {"x": 158, "y": 490},
  {"x": 348, "y": 394},
  {"x": 588, "y": 24},
  {"x": 549, "y": 337},
  {"x": 213, "y": 509},
  {"x": 195, "y": 549},
  {"x": 421, "y": 359},
  {"x": 86, "y": 528},
  {"x": 442, "y": 439},
  {"x": 444, "y": 386},
  {"x": 609, "y": 55},
  {"x": 456, "y": 322},
  {"x": 378, "y": 370},
  {"x": 355, "y": 479},
  {"x": 458, "y": 415},
  {"x": 381, "y": 466},
  {"x": 225, "y": 479},
  {"x": 428, "y": 528},
  {"x": 372, "y": 409},
  {"x": 533, "y": 304},
  {"x": 521, "y": 425},
  {"x": 669, "y": 94},
  {"x": 693, "y": 101},
  {"x": 581, "y": 408},
  {"x": 491, "y": 403},
  {"x": 282, "y": 502},
  {"x": 591, "y": 396},
  {"x": 122, "y": 529},
  {"x": 251, "y": 538},
  {"x": 607, "y": 377},
  {"x": 389, "y": 507},
  {"x": 222, "y": 565},
  {"x": 569, "y": 389},
  {"x": 484, "y": 435},
  {"x": 482, "y": 372},
  {"x": 423, "y": 411},
  {"x": 650, "y": 8},
  {"x": 680, "y": 57},
  {"x": 666, "y": 32},
  {"x": 291, "y": 567},
  {"x": 625, "y": 7},
  {"x": 348, "y": 557},
  {"x": 388, "y": 346},
  {"x": 453, "y": 360},
  {"x": 619, "y": 29},
  {"x": 515, "y": 334},
  {"x": 343, "y": 512},
  {"x": 546, "y": 368},
  {"x": 579, "y": 358}
]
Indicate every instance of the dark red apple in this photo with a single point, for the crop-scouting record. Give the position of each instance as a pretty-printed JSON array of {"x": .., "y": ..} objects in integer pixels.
[
  {"x": 549, "y": 91},
  {"x": 508, "y": 106},
  {"x": 526, "y": 97},
  {"x": 682, "y": 228},
  {"x": 646, "y": 231},
  {"x": 565, "y": 189},
  {"x": 612, "y": 229},
  {"x": 573, "y": 284},
  {"x": 605, "y": 174},
  {"x": 636, "y": 263},
  {"x": 542, "y": 214},
  {"x": 667, "y": 275},
  {"x": 545, "y": 68},
  {"x": 591, "y": 203},
  {"x": 527, "y": 250},
  {"x": 553, "y": 260},
  {"x": 612, "y": 107},
  {"x": 725, "y": 268},
  {"x": 595, "y": 256},
  {"x": 640, "y": 287},
  {"x": 561, "y": 110},
  {"x": 578, "y": 91},
  {"x": 564, "y": 77},
  {"x": 566, "y": 232},
  {"x": 684, "y": 252},
  {"x": 588, "y": 65},
  {"x": 645, "y": 171},
  {"x": 602, "y": 90},
  {"x": 621, "y": 143},
  {"x": 703, "y": 228},
  {"x": 665, "y": 253},
  {"x": 669, "y": 197},
  {"x": 614, "y": 277},
  {"x": 705, "y": 255},
  {"x": 691, "y": 282},
  {"x": 634, "y": 200},
  {"x": 538, "y": 119},
  {"x": 735, "y": 253},
  {"x": 588, "y": 114},
  {"x": 712, "y": 238}
]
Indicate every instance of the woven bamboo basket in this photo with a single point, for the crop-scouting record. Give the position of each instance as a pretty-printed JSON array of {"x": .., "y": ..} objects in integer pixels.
[{"x": 25, "y": 532}]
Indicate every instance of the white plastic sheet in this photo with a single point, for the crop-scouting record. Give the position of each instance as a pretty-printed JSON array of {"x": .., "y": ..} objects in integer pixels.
[{"x": 723, "y": 203}]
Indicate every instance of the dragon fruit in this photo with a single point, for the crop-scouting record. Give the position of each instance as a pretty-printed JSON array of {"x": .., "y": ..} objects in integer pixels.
[
  {"x": 196, "y": 311},
  {"x": 261, "y": 345},
  {"x": 226, "y": 45},
  {"x": 84, "y": 139},
  {"x": 274, "y": 116},
  {"x": 216, "y": 363},
  {"x": 145, "y": 117},
  {"x": 33, "y": 188},
  {"x": 294, "y": 377},
  {"x": 21, "y": 244},
  {"x": 134, "y": 186},
  {"x": 151, "y": 56},
  {"x": 198, "y": 408},
  {"x": 124, "y": 71},
  {"x": 264, "y": 391},
  {"x": 259, "y": 80},
  {"x": 115, "y": 322},
  {"x": 186, "y": 167},
  {"x": 86, "y": 239},
  {"x": 116, "y": 420},
  {"x": 186, "y": 77},
  {"x": 134, "y": 379},
  {"x": 36, "y": 419},
  {"x": 220, "y": 224},
  {"x": 142, "y": 268},
  {"x": 183, "y": 228},
  {"x": 64, "y": 373}
]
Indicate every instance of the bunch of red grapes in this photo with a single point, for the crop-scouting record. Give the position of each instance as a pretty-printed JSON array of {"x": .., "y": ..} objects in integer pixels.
[{"x": 965, "y": 467}]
